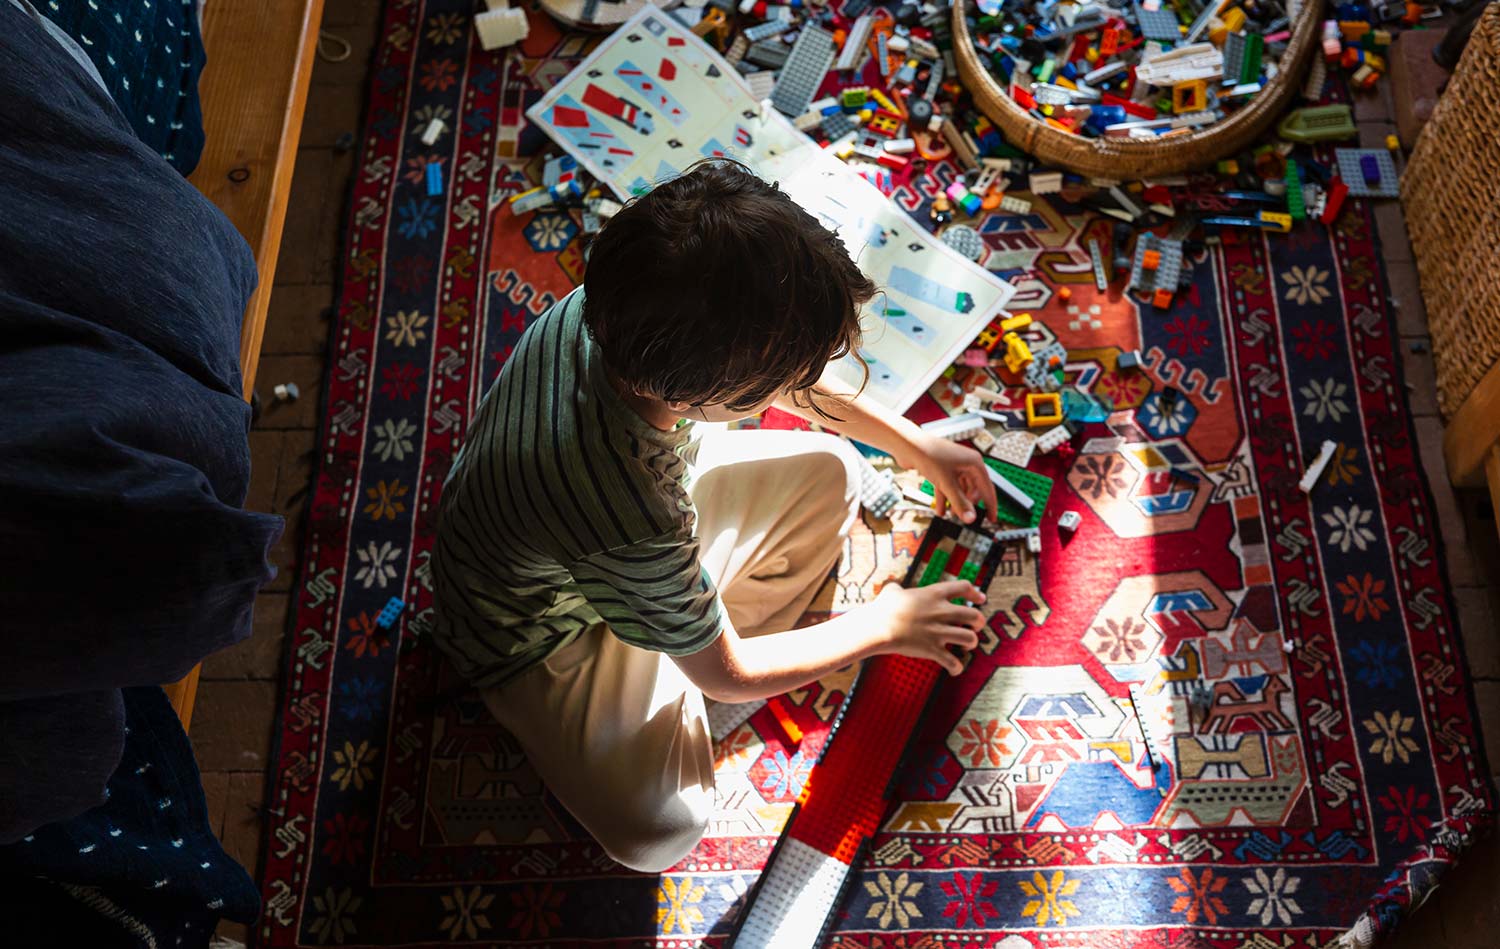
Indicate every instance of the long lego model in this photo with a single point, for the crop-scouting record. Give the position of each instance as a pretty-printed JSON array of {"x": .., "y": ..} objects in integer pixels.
[{"x": 846, "y": 796}]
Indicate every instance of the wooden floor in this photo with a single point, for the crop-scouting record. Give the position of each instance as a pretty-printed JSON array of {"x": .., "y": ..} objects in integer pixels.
[{"x": 235, "y": 713}]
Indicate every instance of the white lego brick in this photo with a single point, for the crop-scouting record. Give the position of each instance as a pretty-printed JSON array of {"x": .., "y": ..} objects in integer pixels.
[
  {"x": 1052, "y": 438},
  {"x": 793, "y": 900},
  {"x": 1010, "y": 490},
  {"x": 1015, "y": 447},
  {"x": 1069, "y": 521},
  {"x": 877, "y": 489},
  {"x": 1315, "y": 470},
  {"x": 955, "y": 428},
  {"x": 432, "y": 131},
  {"x": 501, "y": 28},
  {"x": 1034, "y": 542}
]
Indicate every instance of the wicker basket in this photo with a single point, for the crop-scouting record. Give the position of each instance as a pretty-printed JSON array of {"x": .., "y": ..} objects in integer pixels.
[
  {"x": 1451, "y": 195},
  {"x": 1128, "y": 158}
]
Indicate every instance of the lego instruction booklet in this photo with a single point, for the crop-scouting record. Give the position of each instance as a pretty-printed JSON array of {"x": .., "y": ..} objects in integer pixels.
[{"x": 653, "y": 98}]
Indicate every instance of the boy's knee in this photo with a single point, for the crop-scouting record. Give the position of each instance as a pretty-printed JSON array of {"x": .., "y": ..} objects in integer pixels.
[
  {"x": 651, "y": 836},
  {"x": 836, "y": 467}
]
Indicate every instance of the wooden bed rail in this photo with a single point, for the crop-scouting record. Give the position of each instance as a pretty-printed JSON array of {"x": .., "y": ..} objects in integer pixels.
[{"x": 254, "y": 91}]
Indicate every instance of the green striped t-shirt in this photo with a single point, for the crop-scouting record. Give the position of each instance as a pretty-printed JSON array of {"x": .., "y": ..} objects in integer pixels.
[{"x": 565, "y": 508}]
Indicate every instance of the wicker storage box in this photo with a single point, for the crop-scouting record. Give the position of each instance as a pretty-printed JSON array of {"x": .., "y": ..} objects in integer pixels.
[
  {"x": 1451, "y": 195},
  {"x": 1125, "y": 158}
]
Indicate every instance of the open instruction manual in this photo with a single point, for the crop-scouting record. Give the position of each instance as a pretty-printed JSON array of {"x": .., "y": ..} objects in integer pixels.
[{"x": 653, "y": 98}]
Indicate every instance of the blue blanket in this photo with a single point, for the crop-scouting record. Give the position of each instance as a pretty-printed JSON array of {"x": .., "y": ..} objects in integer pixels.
[{"x": 125, "y": 557}]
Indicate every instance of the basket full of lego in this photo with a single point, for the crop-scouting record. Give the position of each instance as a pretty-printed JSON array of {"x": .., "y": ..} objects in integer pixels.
[{"x": 1126, "y": 91}]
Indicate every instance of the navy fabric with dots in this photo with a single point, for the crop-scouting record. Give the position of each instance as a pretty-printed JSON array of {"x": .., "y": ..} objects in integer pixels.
[
  {"x": 145, "y": 863},
  {"x": 149, "y": 53}
]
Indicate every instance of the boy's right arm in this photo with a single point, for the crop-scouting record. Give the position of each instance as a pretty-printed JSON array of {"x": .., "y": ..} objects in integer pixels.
[{"x": 920, "y": 622}]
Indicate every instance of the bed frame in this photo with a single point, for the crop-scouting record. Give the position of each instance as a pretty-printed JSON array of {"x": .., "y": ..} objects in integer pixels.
[{"x": 254, "y": 91}]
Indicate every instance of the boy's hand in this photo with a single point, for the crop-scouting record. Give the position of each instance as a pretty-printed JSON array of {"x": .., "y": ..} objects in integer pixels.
[
  {"x": 922, "y": 623},
  {"x": 958, "y": 477}
]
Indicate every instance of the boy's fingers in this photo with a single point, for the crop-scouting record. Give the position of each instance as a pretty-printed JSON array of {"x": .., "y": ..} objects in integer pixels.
[
  {"x": 957, "y": 590},
  {"x": 939, "y": 499},
  {"x": 988, "y": 494}
]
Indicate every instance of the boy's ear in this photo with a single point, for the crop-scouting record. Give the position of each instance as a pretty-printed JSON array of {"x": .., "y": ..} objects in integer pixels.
[{"x": 679, "y": 406}]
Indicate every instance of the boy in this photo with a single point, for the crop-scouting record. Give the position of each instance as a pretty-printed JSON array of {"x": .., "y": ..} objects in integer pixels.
[{"x": 598, "y": 571}]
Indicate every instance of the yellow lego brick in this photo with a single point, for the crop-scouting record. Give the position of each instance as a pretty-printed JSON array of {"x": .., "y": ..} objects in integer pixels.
[
  {"x": 1043, "y": 408},
  {"x": 1011, "y": 324},
  {"x": 1017, "y": 353},
  {"x": 1282, "y": 222}
]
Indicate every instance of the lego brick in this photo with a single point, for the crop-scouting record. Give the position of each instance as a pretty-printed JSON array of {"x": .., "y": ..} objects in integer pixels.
[
  {"x": 808, "y": 63},
  {"x": 1168, "y": 270},
  {"x": 1068, "y": 521},
  {"x": 1160, "y": 24},
  {"x": 1013, "y": 447},
  {"x": 1315, "y": 467},
  {"x": 877, "y": 489},
  {"x": 955, "y": 428},
  {"x": 1043, "y": 408},
  {"x": 390, "y": 612},
  {"x": 1234, "y": 56},
  {"x": 1052, "y": 438},
  {"x": 1349, "y": 161},
  {"x": 724, "y": 718},
  {"x": 1037, "y": 487},
  {"x": 965, "y": 240},
  {"x": 793, "y": 899},
  {"x": 1004, "y": 487}
]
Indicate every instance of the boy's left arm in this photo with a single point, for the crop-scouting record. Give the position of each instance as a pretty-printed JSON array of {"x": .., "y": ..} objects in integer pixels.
[{"x": 957, "y": 473}]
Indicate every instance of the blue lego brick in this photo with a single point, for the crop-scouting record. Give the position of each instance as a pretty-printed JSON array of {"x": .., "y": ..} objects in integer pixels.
[{"x": 390, "y": 612}]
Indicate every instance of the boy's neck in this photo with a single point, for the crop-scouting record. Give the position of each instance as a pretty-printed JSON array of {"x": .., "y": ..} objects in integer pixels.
[{"x": 653, "y": 412}]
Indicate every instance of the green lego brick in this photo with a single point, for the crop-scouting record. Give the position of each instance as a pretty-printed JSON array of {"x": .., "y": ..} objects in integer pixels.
[
  {"x": 935, "y": 568},
  {"x": 1255, "y": 44},
  {"x": 970, "y": 572},
  {"x": 1038, "y": 486},
  {"x": 1295, "y": 205}
]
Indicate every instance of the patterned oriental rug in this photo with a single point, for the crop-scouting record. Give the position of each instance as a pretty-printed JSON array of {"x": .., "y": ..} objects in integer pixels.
[{"x": 1329, "y": 785}]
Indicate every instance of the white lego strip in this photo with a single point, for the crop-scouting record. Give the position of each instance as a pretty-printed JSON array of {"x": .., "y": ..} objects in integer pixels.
[
  {"x": 724, "y": 718},
  {"x": 1315, "y": 470},
  {"x": 955, "y": 427},
  {"x": 796, "y": 894},
  {"x": 1010, "y": 490}
]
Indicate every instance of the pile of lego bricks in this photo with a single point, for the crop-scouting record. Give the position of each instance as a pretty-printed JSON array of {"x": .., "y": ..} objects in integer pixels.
[
  {"x": 1158, "y": 69},
  {"x": 876, "y": 85}
]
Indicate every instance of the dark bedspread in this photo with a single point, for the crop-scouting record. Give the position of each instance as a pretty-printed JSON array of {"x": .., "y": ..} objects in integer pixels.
[{"x": 124, "y": 555}]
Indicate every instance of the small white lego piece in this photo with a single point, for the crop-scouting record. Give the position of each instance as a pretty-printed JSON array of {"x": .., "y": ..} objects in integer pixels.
[
  {"x": 1315, "y": 470},
  {"x": 1068, "y": 521},
  {"x": 500, "y": 28},
  {"x": 432, "y": 131},
  {"x": 983, "y": 440},
  {"x": 286, "y": 392},
  {"x": 1015, "y": 205},
  {"x": 1052, "y": 438},
  {"x": 1034, "y": 542}
]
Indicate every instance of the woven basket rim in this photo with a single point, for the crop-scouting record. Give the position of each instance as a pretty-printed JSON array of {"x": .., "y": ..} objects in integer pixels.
[{"x": 1201, "y": 146}]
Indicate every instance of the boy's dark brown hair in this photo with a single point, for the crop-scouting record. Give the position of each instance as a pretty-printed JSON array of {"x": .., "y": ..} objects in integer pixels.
[{"x": 716, "y": 288}]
